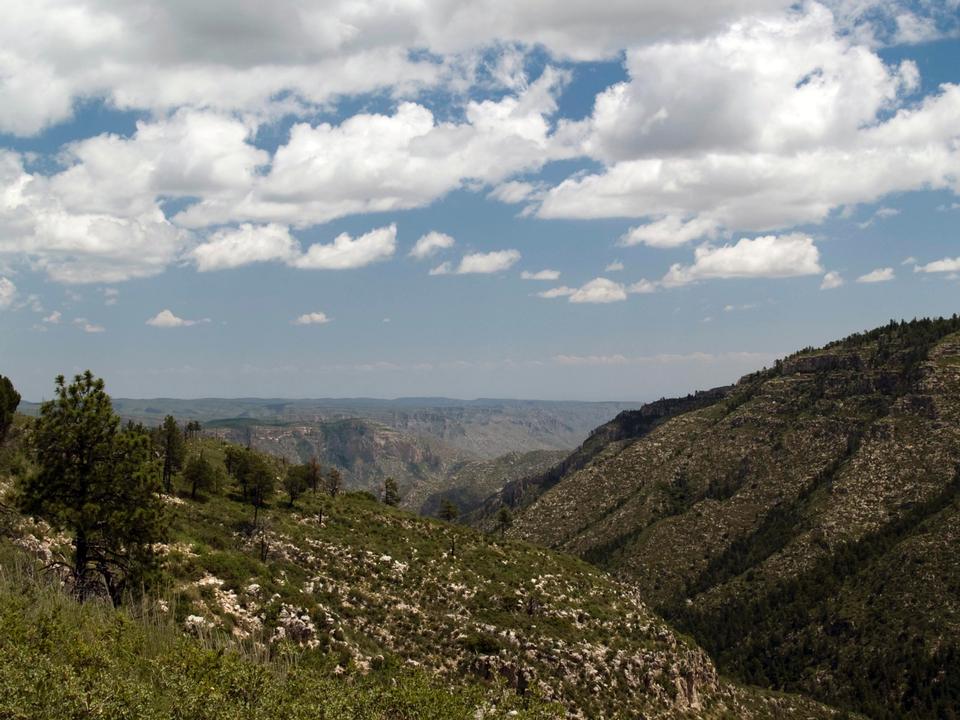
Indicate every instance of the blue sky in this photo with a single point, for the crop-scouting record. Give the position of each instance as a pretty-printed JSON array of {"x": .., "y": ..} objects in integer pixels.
[{"x": 192, "y": 206}]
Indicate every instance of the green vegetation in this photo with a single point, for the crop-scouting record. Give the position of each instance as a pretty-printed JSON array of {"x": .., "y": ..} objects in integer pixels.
[
  {"x": 9, "y": 400},
  {"x": 60, "y": 660},
  {"x": 802, "y": 526},
  {"x": 336, "y": 605},
  {"x": 95, "y": 481}
]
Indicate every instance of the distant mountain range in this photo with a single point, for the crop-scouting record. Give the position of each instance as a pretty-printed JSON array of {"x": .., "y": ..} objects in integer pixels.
[{"x": 435, "y": 448}]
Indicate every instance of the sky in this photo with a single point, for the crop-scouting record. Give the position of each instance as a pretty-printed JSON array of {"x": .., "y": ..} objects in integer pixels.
[{"x": 614, "y": 200}]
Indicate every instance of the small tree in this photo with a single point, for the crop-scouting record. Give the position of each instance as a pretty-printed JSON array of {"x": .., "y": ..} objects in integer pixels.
[
  {"x": 9, "y": 400},
  {"x": 173, "y": 448},
  {"x": 314, "y": 474},
  {"x": 391, "y": 492},
  {"x": 239, "y": 462},
  {"x": 504, "y": 519},
  {"x": 261, "y": 483},
  {"x": 334, "y": 482},
  {"x": 200, "y": 475},
  {"x": 296, "y": 481},
  {"x": 94, "y": 481},
  {"x": 449, "y": 511}
]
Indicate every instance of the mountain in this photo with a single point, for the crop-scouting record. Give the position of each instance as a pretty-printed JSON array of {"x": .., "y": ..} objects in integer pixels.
[
  {"x": 435, "y": 448},
  {"x": 802, "y": 525},
  {"x": 483, "y": 429},
  {"x": 345, "y": 607}
]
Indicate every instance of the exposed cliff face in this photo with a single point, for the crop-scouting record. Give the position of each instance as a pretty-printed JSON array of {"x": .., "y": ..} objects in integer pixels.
[{"x": 801, "y": 525}]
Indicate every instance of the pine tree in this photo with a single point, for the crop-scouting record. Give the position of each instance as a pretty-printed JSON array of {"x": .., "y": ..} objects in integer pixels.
[
  {"x": 200, "y": 475},
  {"x": 504, "y": 519},
  {"x": 449, "y": 511},
  {"x": 334, "y": 482},
  {"x": 296, "y": 481},
  {"x": 94, "y": 481},
  {"x": 173, "y": 448},
  {"x": 9, "y": 399},
  {"x": 391, "y": 492}
]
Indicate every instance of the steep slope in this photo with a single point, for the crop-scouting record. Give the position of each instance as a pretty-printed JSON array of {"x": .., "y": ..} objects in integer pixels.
[
  {"x": 359, "y": 588},
  {"x": 469, "y": 484},
  {"x": 802, "y": 526}
]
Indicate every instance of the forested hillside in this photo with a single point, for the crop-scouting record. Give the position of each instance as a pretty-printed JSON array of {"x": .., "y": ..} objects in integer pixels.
[
  {"x": 802, "y": 525},
  {"x": 301, "y": 599}
]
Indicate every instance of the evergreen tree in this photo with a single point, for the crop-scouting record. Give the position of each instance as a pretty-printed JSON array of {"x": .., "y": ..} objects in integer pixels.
[
  {"x": 94, "y": 481},
  {"x": 9, "y": 399},
  {"x": 296, "y": 481},
  {"x": 334, "y": 482},
  {"x": 173, "y": 449},
  {"x": 261, "y": 482},
  {"x": 200, "y": 475},
  {"x": 449, "y": 511},
  {"x": 314, "y": 474},
  {"x": 391, "y": 492},
  {"x": 504, "y": 519}
]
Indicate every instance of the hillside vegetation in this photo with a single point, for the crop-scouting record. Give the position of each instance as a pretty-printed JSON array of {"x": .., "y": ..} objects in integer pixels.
[
  {"x": 802, "y": 525},
  {"x": 342, "y": 607}
]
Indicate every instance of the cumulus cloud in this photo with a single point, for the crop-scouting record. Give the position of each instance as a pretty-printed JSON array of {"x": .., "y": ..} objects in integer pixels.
[
  {"x": 53, "y": 318},
  {"x": 166, "y": 319},
  {"x": 379, "y": 163},
  {"x": 877, "y": 276},
  {"x": 769, "y": 256},
  {"x": 669, "y": 231},
  {"x": 599, "y": 290},
  {"x": 141, "y": 55},
  {"x": 486, "y": 263},
  {"x": 774, "y": 122},
  {"x": 540, "y": 275},
  {"x": 642, "y": 287},
  {"x": 314, "y": 318},
  {"x": 346, "y": 252},
  {"x": 87, "y": 326},
  {"x": 562, "y": 291},
  {"x": 831, "y": 280},
  {"x": 244, "y": 245},
  {"x": 430, "y": 244},
  {"x": 444, "y": 268},
  {"x": 615, "y": 266},
  {"x": 947, "y": 265},
  {"x": 8, "y": 292}
]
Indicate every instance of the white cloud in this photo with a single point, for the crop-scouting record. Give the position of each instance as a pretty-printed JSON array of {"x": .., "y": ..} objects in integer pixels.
[
  {"x": 591, "y": 359},
  {"x": 485, "y": 263},
  {"x": 514, "y": 192},
  {"x": 599, "y": 290},
  {"x": 301, "y": 55},
  {"x": 87, "y": 326},
  {"x": 346, "y": 252},
  {"x": 877, "y": 276},
  {"x": 314, "y": 318},
  {"x": 831, "y": 280},
  {"x": 774, "y": 122},
  {"x": 669, "y": 231},
  {"x": 769, "y": 256},
  {"x": 642, "y": 287},
  {"x": 615, "y": 266},
  {"x": 381, "y": 163},
  {"x": 166, "y": 319},
  {"x": 8, "y": 292},
  {"x": 244, "y": 245},
  {"x": 947, "y": 265},
  {"x": 53, "y": 318},
  {"x": 110, "y": 296},
  {"x": 540, "y": 275},
  {"x": 562, "y": 291},
  {"x": 444, "y": 268},
  {"x": 430, "y": 244}
]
